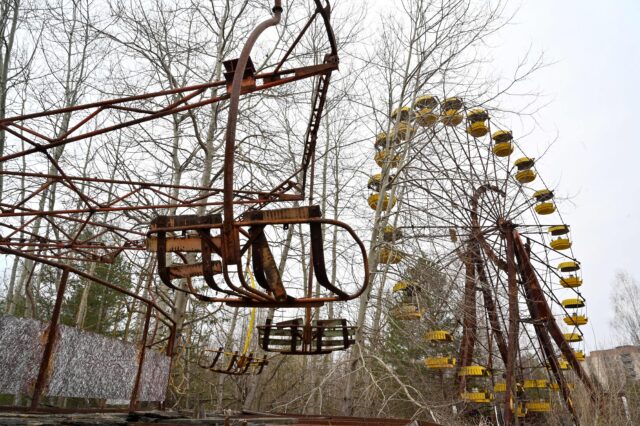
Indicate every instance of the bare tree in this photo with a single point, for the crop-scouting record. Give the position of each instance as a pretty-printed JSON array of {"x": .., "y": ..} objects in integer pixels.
[{"x": 625, "y": 299}]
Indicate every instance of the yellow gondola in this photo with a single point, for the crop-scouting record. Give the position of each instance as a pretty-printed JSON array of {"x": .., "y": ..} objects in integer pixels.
[
  {"x": 571, "y": 281},
  {"x": 536, "y": 384},
  {"x": 474, "y": 371},
  {"x": 425, "y": 110},
  {"x": 541, "y": 406},
  {"x": 450, "y": 109},
  {"x": 477, "y": 126},
  {"x": 545, "y": 206},
  {"x": 390, "y": 256},
  {"x": 387, "y": 158},
  {"x": 403, "y": 131},
  {"x": 406, "y": 312},
  {"x": 438, "y": 336},
  {"x": 568, "y": 266},
  {"x": 572, "y": 337},
  {"x": 500, "y": 387},
  {"x": 425, "y": 101},
  {"x": 373, "y": 201},
  {"x": 404, "y": 113},
  {"x": 525, "y": 174},
  {"x": 573, "y": 303},
  {"x": 440, "y": 362},
  {"x": 502, "y": 143},
  {"x": 560, "y": 244},
  {"x": 478, "y": 397},
  {"x": 575, "y": 320}
]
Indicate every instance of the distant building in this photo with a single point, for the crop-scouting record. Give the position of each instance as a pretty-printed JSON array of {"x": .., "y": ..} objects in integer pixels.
[{"x": 614, "y": 367}]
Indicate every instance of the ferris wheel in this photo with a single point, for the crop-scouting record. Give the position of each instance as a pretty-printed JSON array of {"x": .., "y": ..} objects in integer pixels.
[{"x": 465, "y": 199}]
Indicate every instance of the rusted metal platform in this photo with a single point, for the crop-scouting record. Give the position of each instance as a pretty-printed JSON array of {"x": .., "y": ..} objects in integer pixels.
[{"x": 168, "y": 418}]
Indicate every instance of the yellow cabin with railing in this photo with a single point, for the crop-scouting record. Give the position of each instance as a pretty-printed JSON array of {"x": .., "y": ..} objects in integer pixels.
[
  {"x": 387, "y": 202},
  {"x": 473, "y": 371},
  {"x": 503, "y": 146},
  {"x": 403, "y": 131},
  {"x": 450, "y": 111},
  {"x": 575, "y": 320},
  {"x": 536, "y": 384},
  {"x": 438, "y": 336},
  {"x": 572, "y": 337},
  {"x": 544, "y": 204},
  {"x": 525, "y": 173},
  {"x": 477, "y": 396},
  {"x": 387, "y": 158},
  {"x": 442, "y": 362},
  {"x": 425, "y": 114},
  {"x": 477, "y": 122},
  {"x": 571, "y": 281},
  {"x": 406, "y": 312},
  {"x": 540, "y": 406},
  {"x": 573, "y": 303},
  {"x": 562, "y": 240}
]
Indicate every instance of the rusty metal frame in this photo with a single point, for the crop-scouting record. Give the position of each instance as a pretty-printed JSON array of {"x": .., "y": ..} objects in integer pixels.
[
  {"x": 240, "y": 79},
  {"x": 66, "y": 247},
  {"x": 38, "y": 143}
]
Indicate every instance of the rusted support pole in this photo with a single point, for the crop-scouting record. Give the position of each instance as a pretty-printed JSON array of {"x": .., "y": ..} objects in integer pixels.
[
  {"x": 490, "y": 306},
  {"x": 509, "y": 400},
  {"x": 552, "y": 325},
  {"x": 51, "y": 334},
  {"x": 469, "y": 322},
  {"x": 542, "y": 320},
  {"x": 143, "y": 349}
]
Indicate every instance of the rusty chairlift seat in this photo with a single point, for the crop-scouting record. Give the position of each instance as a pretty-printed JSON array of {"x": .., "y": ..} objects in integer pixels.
[
  {"x": 195, "y": 237},
  {"x": 228, "y": 230},
  {"x": 299, "y": 337},
  {"x": 236, "y": 364}
]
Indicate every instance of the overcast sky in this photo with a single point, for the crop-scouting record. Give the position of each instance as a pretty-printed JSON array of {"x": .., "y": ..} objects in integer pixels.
[{"x": 593, "y": 88}]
